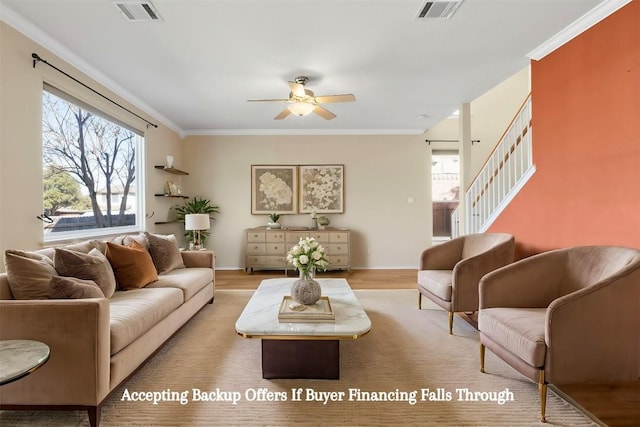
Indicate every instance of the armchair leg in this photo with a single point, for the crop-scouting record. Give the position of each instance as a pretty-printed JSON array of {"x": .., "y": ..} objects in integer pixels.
[
  {"x": 451, "y": 323},
  {"x": 482, "y": 358},
  {"x": 419, "y": 300},
  {"x": 542, "y": 387}
]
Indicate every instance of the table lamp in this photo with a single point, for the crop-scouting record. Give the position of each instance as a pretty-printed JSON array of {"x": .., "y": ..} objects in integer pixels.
[{"x": 196, "y": 223}]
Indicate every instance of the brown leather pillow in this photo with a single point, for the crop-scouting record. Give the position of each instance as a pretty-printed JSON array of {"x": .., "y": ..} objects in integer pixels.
[
  {"x": 132, "y": 265},
  {"x": 72, "y": 287},
  {"x": 164, "y": 252},
  {"x": 92, "y": 266}
]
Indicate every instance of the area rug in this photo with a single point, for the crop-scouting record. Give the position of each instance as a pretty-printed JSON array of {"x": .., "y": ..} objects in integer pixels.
[{"x": 407, "y": 371}]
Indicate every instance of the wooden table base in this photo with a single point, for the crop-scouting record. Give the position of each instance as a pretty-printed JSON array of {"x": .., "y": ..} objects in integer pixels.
[{"x": 302, "y": 359}]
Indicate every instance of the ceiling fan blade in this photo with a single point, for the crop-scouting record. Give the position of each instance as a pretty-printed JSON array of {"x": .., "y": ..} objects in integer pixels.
[
  {"x": 324, "y": 113},
  {"x": 335, "y": 98},
  {"x": 284, "y": 113},
  {"x": 267, "y": 100},
  {"x": 297, "y": 89}
]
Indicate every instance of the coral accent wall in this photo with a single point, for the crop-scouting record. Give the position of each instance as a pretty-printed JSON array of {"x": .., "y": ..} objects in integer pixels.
[{"x": 586, "y": 143}]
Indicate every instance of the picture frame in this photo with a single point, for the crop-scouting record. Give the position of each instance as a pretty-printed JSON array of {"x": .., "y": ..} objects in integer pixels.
[
  {"x": 321, "y": 188},
  {"x": 274, "y": 188}
]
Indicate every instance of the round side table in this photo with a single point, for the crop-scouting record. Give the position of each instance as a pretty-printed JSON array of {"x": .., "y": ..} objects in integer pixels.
[{"x": 19, "y": 358}]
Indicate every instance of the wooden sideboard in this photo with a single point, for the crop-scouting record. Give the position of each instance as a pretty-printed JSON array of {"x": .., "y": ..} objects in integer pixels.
[{"x": 266, "y": 249}]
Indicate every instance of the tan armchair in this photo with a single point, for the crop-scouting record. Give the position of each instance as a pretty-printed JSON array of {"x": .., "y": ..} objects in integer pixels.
[
  {"x": 565, "y": 317},
  {"x": 450, "y": 272}
]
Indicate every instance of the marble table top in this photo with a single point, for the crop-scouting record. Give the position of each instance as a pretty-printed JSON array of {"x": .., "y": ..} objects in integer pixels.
[
  {"x": 19, "y": 358},
  {"x": 260, "y": 317}
]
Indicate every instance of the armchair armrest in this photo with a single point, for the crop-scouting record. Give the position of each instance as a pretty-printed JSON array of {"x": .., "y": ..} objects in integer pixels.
[
  {"x": 443, "y": 256},
  {"x": 78, "y": 335},
  {"x": 529, "y": 283},
  {"x": 594, "y": 333},
  {"x": 468, "y": 272},
  {"x": 202, "y": 259}
]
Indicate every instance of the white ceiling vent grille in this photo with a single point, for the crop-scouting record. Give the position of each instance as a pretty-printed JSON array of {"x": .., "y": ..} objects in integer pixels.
[
  {"x": 137, "y": 10},
  {"x": 439, "y": 9}
]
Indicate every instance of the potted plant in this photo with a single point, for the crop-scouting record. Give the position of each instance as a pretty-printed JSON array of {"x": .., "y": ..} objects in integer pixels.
[
  {"x": 323, "y": 221},
  {"x": 197, "y": 205},
  {"x": 273, "y": 220}
]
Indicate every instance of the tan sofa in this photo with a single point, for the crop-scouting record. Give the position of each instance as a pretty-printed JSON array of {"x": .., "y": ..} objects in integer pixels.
[
  {"x": 449, "y": 272},
  {"x": 97, "y": 343},
  {"x": 566, "y": 316}
]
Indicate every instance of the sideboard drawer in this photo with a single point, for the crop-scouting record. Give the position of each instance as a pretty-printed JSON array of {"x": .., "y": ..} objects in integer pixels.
[
  {"x": 338, "y": 261},
  {"x": 338, "y": 249},
  {"x": 256, "y": 260},
  {"x": 294, "y": 237},
  {"x": 275, "y": 249},
  {"x": 339, "y": 236},
  {"x": 320, "y": 236},
  {"x": 256, "y": 249},
  {"x": 277, "y": 236},
  {"x": 275, "y": 261},
  {"x": 253, "y": 236}
]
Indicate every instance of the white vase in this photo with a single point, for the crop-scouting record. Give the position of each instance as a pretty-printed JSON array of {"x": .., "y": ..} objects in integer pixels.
[{"x": 169, "y": 162}]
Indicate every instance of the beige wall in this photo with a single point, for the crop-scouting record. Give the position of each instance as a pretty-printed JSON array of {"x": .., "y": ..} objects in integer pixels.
[
  {"x": 381, "y": 173},
  {"x": 21, "y": 136},
  {"x": 491, "y": 114}
]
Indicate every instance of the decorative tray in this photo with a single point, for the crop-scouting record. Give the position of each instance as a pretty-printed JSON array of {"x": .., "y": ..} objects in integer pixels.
[{"x": 292, "y": 312}]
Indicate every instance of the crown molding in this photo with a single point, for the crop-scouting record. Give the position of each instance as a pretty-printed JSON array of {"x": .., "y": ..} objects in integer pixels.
[
  {"x": 284, "y": 132},
  {"x": 17, "y": 21},
  {"x": 577, "y": 27}
]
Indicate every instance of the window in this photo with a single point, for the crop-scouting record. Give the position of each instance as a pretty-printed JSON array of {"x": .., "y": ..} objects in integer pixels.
[
  {"x": 445, "y": 189},
  {"x": 90, "y": 163}
]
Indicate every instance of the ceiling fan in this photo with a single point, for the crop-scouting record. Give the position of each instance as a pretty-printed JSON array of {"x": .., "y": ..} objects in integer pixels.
[{"x": 303, "y": 102}]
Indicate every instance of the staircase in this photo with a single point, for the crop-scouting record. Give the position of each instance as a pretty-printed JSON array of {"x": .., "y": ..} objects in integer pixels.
[{"x": 505, "y": 172}]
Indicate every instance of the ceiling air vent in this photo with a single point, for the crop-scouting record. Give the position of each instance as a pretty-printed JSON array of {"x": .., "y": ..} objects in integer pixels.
[
  {"x": 137, "y": 10},
  {"x": 438, "y": 9}
]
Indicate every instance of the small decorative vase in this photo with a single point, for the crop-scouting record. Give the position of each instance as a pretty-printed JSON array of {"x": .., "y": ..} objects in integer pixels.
[
  {"x": 273, "y": 225},
  {"x": 305, "y": 290}
]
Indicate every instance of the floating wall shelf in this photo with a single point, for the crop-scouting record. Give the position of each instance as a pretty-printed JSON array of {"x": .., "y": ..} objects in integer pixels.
[{"x": 171, "y": 170}]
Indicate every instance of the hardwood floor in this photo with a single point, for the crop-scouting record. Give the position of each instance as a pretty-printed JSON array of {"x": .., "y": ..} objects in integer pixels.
[{"x": 612, "y": 404}]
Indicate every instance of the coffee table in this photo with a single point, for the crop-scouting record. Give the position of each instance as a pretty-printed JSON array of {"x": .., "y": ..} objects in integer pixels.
[{"x": 302, "y": 350}]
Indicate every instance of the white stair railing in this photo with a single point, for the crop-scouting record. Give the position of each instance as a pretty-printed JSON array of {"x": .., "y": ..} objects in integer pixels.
[{"x": 505, "y": 172}]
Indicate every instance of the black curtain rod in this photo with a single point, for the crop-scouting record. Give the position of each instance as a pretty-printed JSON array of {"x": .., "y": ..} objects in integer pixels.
[
  {"x": 36, "y": 59},
  {"x": 429, "y": 141}
]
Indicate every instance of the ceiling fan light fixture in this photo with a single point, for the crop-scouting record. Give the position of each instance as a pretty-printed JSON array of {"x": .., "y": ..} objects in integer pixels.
[{"x": 301, "y": 108}]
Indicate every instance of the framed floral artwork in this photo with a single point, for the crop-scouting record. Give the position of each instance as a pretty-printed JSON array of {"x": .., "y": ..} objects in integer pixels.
[
  {"x": 321, "y": 188},
  {"x": 274, "y": 189}
]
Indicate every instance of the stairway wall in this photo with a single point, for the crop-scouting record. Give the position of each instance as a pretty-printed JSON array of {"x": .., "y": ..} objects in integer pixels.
[{"x": 586, "y": 143}]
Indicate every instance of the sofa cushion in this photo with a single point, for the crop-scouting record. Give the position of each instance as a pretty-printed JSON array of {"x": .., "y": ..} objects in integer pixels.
[
  {"x": 90, "y": 266},
  {"x": 164, "y": 252},
  {"x": 29, "y": 274},
  {"x": 438, "y": 282},
  {"x": 521, "y": 330},
  {"x": 132, "y": 265},
  {"x": 72, "y": 287},
  {"x": 189, "y": 280},
  {"x": 87, "y": 246},
  {"x": 134, "y": 312}
]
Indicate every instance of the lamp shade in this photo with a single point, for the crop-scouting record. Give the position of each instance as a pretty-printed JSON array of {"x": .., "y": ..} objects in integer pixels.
[
  {"x": 196, "y": 222},
  {"x": 301, "y": 108}
]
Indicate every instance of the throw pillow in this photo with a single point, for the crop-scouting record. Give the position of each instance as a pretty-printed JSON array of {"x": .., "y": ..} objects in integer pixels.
[
  {"x": 29, "y": 274},
  {"x": 132, "y": 265},
  {"x": 164, "y": 252},
  {"x": 72, "y": 287},
  {"x": 92, "y": 266}
]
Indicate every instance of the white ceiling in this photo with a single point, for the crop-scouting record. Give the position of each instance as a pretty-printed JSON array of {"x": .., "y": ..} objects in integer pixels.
[{"x": 195, "y": 70}]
